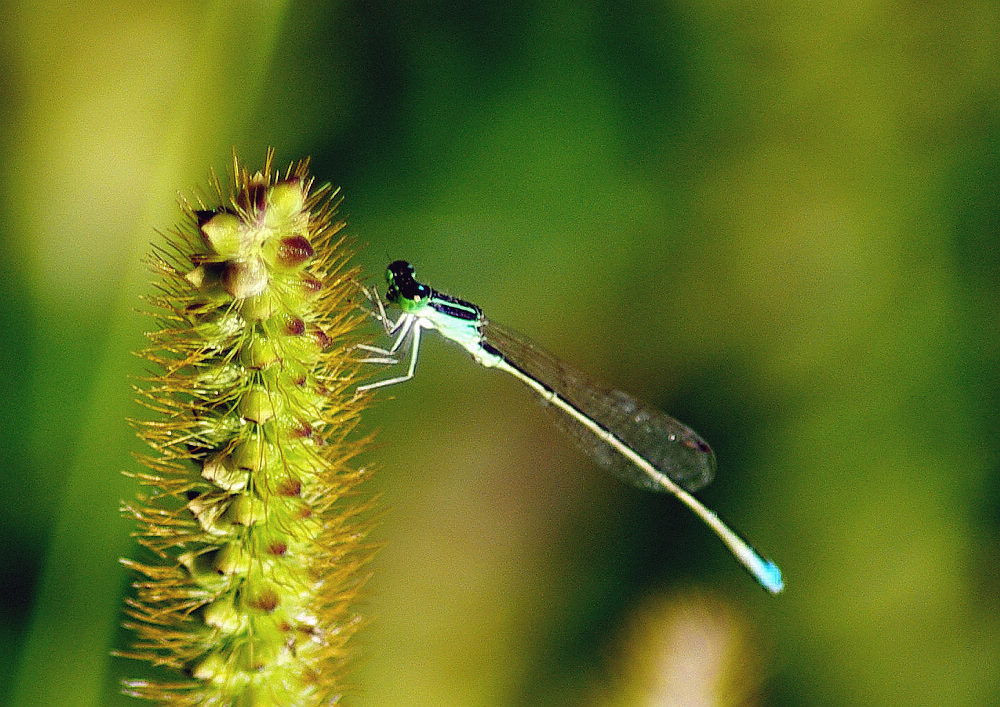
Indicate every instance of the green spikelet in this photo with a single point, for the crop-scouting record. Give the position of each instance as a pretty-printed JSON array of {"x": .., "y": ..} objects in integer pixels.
[{"x": 253, "y": 516}]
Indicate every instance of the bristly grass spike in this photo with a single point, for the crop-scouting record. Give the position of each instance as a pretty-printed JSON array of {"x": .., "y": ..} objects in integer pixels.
[{"x": 254, "y": 524}]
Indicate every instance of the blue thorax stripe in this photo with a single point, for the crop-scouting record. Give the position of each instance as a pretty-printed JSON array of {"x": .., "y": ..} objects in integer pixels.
[{"x": 454, "y": 307}]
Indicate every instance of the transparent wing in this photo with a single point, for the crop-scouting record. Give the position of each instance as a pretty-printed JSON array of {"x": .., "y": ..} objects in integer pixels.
[{"x": 670, "y": 446}]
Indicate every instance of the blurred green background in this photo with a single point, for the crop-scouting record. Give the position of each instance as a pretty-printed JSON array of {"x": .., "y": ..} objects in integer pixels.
[{"x": 777, "y": 221}]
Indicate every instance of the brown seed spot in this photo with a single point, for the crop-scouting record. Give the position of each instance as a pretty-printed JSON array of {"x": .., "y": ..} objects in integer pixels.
[
  {"x": 290, "y": 487},
  {"x": 278, "y": 547},
  {"x": 294, "y": 250},
  {"x": 323, "y": 340},
  {"x": 254, "y": 198},
  {"x": 295, "y": 326},
  {"x": 267, "y": 601}
]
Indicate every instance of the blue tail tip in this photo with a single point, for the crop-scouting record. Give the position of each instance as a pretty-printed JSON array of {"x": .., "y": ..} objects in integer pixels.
[{"x": 769, "y": 576}]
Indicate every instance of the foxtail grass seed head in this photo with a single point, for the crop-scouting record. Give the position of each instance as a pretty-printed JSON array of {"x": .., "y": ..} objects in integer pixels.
[{"x": 252, "y": 522}]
